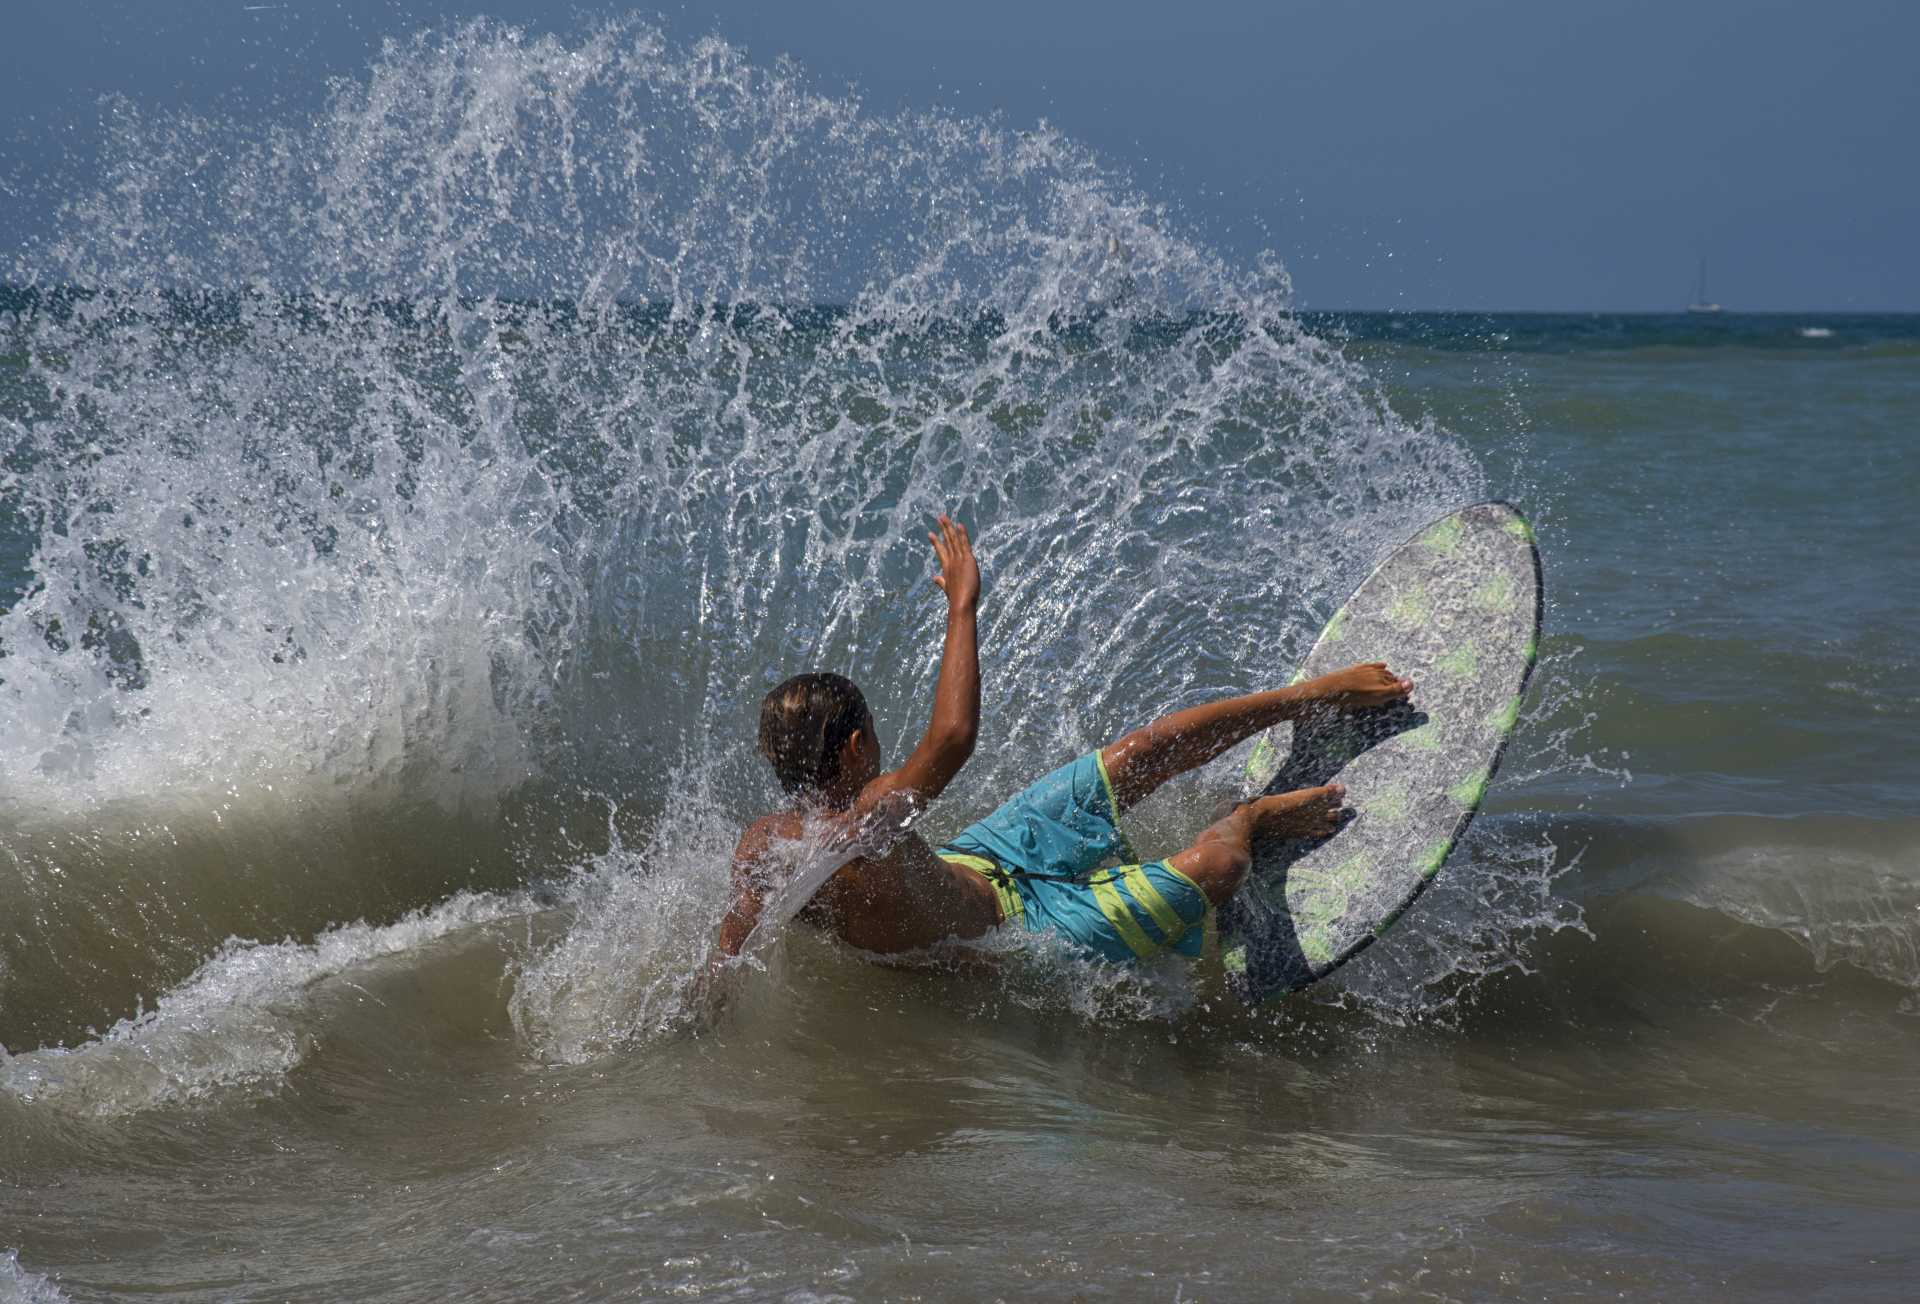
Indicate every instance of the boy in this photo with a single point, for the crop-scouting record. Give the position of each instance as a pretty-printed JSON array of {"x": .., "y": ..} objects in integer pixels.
[{"x": 1029, "y": 862}]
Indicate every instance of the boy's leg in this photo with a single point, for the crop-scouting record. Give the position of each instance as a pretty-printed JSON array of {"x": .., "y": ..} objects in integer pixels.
[
  {"x": 1141, "y": 761},
  {"x": 1146, "y": 758},
  {"x": 1220, "y": 857}
]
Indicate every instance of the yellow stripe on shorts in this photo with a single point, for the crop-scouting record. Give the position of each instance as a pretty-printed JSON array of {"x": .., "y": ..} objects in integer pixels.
[
  {"x": 1172, "y": 926},
  {"x": 1114, "y": 907}
]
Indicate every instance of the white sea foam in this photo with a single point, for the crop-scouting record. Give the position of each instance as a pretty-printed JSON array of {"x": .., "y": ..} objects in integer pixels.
[
  {"x": 18, "y": 1286},
  {"x": 240, "y": 1021}
]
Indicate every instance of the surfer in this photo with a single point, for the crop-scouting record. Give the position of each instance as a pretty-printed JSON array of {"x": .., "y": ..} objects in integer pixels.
[{"x": 1035, "y": 861}]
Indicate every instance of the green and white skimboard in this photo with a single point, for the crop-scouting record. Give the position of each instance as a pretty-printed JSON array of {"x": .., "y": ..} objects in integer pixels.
[{"x": 1457, "y": 609}]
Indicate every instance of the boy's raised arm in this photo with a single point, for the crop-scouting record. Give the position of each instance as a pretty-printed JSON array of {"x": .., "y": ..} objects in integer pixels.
[{"x": 949, "y": 739}]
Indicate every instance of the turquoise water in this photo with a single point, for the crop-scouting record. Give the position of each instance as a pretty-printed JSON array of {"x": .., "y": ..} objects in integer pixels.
[{"x": 383, "y": 623}]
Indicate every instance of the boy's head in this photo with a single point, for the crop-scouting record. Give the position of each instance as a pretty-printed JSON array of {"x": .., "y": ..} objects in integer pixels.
[{"x": 817, "y": 733}]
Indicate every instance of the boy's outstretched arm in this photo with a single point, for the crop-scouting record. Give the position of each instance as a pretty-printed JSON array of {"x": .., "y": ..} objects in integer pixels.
[{"x": 949, "y": 739}]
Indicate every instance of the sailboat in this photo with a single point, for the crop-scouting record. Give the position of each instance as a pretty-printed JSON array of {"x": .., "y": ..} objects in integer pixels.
[{"x": 1700, "y": 301}]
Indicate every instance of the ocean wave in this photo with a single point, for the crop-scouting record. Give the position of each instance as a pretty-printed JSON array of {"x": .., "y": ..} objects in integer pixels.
[
  {"x": 1844, "y": 888},
  {"x": 241, "y": 1021},
  {"x": 617, "y": 965},
  {"x": 1844, "y": 906},
  {"x": 111, "y": 907}
]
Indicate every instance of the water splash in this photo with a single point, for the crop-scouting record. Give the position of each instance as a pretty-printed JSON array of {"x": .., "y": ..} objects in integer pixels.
[
  {"x": 18, "y": 1286},
  {"x": 498, "y": 435},
  {"x": 643, "y": 922}
]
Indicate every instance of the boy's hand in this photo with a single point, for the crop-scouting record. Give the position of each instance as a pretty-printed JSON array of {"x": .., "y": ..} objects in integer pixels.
[
  {"x": 1369, "y": 684},
  {"x": 959, "y": 576}
]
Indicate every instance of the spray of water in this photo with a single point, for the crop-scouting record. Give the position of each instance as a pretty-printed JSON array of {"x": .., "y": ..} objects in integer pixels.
[{"x": 491, "y": 441}]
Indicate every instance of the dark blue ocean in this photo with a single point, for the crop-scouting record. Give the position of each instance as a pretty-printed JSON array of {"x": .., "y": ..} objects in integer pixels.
[{"x": 402, "y": 512}]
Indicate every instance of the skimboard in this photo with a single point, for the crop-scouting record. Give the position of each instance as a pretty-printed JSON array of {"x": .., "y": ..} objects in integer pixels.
[{"x": 1457, "y": 609}]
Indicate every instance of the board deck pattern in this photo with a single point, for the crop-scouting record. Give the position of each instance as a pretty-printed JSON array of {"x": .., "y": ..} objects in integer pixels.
[{"x": 1457, "y": 608}]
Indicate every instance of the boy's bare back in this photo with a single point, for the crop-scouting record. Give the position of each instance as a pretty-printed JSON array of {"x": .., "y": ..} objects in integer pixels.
[{"x": 904, "y": 899}]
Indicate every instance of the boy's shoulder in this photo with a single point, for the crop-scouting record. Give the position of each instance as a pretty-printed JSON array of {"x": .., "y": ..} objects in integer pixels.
[{"x": 780, "y": 826}]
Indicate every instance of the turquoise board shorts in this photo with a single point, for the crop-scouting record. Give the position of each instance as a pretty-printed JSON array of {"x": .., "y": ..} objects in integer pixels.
[{"x": 1042, "y": 850}]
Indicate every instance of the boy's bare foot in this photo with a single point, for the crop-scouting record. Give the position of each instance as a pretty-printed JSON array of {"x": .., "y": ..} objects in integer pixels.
[
  {"x": 1367, "y": 684},
  {"x": 1306, "y": 813}
]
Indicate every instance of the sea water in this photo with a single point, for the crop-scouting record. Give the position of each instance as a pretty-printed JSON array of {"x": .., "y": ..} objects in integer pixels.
[{"x": 402, "y": 512}]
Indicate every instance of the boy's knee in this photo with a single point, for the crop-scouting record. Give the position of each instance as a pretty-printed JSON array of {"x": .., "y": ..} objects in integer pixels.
[{"x": 1216, "y": 867}]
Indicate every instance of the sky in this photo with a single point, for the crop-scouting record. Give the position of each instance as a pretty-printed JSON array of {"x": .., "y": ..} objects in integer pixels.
[{"x": 1477, "y": 154}]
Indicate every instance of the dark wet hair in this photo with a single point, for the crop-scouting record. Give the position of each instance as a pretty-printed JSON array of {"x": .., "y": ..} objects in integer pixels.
[{"x": 804, "y": 723}]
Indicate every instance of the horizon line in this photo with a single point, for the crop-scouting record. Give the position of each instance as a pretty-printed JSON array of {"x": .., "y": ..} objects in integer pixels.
[{"x": 1682, "y": 311}]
